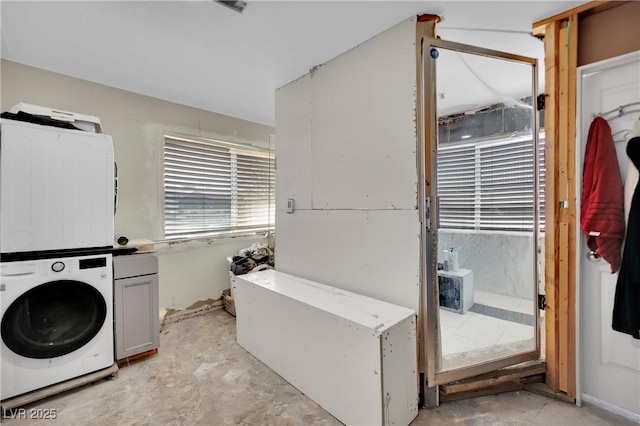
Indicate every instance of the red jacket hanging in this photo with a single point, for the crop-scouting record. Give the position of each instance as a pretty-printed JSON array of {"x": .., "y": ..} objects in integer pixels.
[{"x": 602, "y": 209}]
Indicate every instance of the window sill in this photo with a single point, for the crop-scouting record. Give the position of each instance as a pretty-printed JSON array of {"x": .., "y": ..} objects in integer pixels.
[
  {"x": 488, "y": 232},
  {"x": 183, "y": 244}
]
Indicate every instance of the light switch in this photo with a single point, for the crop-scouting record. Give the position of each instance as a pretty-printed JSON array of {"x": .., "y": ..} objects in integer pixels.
[{"x": 290, "y": 205}]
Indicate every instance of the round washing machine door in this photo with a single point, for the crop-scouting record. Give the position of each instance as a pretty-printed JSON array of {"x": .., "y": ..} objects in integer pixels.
[{"x": 53, "y": 319}]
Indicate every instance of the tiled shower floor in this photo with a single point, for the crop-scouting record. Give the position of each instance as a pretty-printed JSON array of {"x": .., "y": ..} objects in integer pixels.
[{"x": 495, "y": 326}]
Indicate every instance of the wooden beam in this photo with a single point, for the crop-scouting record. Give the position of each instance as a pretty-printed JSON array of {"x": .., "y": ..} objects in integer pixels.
[
  {"x": 562, "y": 309},
  {"x": 493, "y": 390},
  {"x": 565, "y": 219},
  {"x": 494, "y": 378},
  {"x": 572, "y": 210},
  {"x": 563, "y": 199},
  {"x": 552, "y": 205},
  {"x": 561, "y": 59}
]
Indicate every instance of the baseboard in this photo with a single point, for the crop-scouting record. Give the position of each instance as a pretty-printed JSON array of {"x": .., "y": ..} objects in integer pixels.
[{"x": 588, "y": 399}]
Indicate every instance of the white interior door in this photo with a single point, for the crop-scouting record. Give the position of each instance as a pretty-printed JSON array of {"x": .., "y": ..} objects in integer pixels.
[{"x": 610, "y": 361}]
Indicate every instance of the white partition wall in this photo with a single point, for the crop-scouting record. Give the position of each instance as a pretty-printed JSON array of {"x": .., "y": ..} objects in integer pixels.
[{"x": 346, "y": 153}]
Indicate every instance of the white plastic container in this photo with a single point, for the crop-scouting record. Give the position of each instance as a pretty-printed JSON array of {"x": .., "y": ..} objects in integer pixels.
[{"x": 452, "y": 260}]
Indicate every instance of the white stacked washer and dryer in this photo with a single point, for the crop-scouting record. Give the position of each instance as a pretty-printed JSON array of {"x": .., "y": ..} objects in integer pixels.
[{"x": 56, "y": 239}]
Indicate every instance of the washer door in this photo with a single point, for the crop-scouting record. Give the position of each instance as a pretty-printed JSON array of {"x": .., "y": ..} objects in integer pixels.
[{"x": 53, "y": 319}]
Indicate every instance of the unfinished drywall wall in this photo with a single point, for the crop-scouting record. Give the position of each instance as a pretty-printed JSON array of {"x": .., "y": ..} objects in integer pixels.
[
  {"x": 346, "y": 149},
  {"x": 188, "y": 271},
  {"x": 610, "y": 33}
]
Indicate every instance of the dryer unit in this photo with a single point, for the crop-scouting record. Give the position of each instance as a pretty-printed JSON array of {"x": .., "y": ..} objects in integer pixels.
[
  {"x": 57, "y": 189},
  {"x": 57, "y": 321}
]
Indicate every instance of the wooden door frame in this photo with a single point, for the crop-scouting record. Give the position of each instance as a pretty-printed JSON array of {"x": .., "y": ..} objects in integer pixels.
[{"x": 560, "y": 34}]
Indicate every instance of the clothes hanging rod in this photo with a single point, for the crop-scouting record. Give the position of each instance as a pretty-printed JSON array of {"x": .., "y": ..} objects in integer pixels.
[
  {"x": 625, "y": 133},
  {"x": 620, "y": 110}
]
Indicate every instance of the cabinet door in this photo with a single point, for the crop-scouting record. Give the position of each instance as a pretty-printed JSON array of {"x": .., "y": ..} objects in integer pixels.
[{"x": 136, "y": 315}]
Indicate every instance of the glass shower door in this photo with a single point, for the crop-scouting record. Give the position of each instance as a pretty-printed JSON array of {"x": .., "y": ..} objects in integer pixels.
[{"x": 483, "y": 279}]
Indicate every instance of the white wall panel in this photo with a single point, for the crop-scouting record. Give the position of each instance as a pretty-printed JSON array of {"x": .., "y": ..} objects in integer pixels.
[
  {"x": 363, "y": 135},
  {"x": 293, "y": 158},
  {"x": 373, "y": 253},
  {"x": 400, "y": 385},
  {"x": 346, "y": 148}
]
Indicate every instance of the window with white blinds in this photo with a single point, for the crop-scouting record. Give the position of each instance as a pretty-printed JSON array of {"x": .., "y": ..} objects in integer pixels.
[
  {"x": 216, "y": 188},
  {"x": 489, "y": 185}
]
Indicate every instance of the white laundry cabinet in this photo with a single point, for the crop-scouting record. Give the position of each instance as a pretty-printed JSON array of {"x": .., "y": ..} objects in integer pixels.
[
  {"x": 136, "y": 304},
  {"x": 353, "y": 355}
]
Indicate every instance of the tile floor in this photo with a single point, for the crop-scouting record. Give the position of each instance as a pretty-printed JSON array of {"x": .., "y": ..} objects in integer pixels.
[
  {"x": 201, "y": 376},
  {"x": 509, "y": 303},
  {"x": 483, "y": 335}
]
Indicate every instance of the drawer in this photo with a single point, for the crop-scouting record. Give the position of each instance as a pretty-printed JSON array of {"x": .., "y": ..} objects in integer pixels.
[{"x": 135, "y": 265}]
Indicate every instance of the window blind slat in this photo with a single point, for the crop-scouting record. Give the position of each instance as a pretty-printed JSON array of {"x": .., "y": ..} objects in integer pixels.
[
  {"x": 215, "y": 188},
  {"x": 489, "y": 185}
]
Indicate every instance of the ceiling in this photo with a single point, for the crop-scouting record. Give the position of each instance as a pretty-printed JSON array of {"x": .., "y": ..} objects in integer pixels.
[{"x": 205, "y": 55}]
